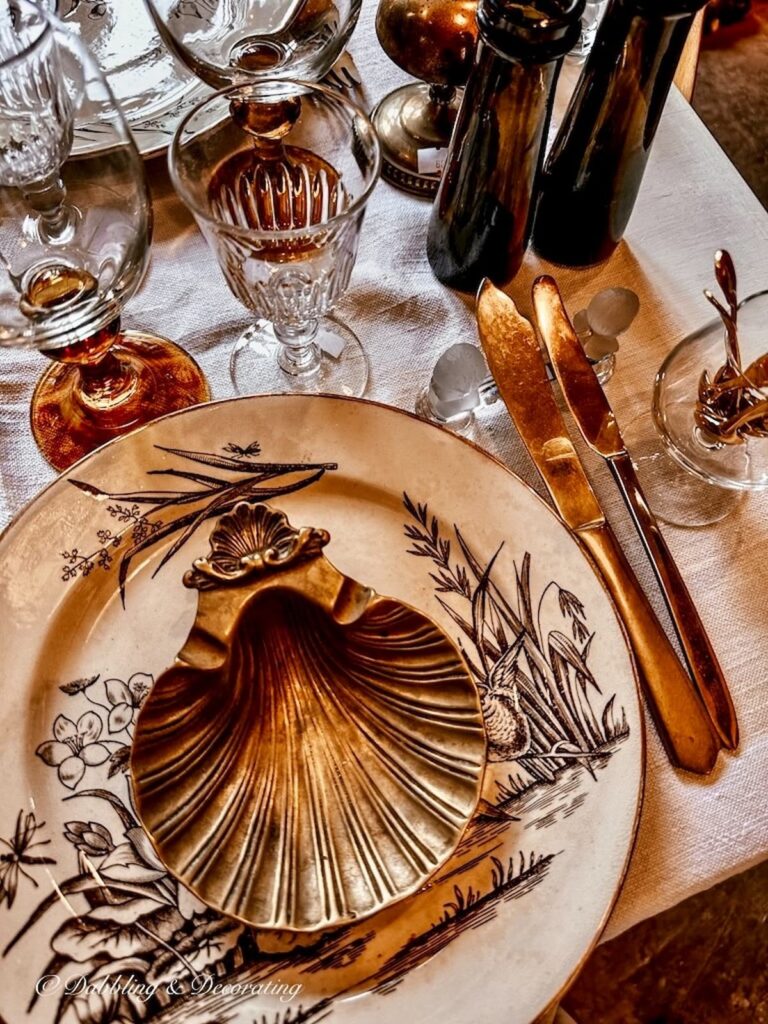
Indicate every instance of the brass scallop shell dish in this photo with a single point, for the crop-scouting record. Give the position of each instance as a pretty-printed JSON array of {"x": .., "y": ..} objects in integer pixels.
[{"x": 316, "y": 750}]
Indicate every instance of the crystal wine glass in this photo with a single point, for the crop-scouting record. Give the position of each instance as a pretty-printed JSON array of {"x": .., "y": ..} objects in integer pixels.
[
  {"x": 74, "y": 239},
  {"x": 692, "y": 476},
  {"x": 279, "y": 188},
  {"x": 220, "y": 41}
]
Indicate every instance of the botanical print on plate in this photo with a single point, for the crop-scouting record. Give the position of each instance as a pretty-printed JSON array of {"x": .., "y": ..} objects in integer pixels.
[
  {"x": 144, "y": 518},
  {"x": 139, "y": 946},
  {"x": 84, "y": 898}
]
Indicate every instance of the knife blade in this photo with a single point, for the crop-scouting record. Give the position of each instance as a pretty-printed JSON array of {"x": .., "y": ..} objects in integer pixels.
[
  {"x": 595, "y": 419},
  {"x": 517, "y": 364}
]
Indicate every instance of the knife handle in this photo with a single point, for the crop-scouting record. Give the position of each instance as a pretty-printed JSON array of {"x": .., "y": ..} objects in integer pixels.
[
  {"x": 699, "y": 653},
  {"x": 681, "y": 719}
]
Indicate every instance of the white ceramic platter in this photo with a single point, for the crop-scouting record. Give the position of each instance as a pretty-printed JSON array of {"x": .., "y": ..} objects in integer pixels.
[
  {"x": 152, "y": 88},
  {"x": 416, "y": 513}
]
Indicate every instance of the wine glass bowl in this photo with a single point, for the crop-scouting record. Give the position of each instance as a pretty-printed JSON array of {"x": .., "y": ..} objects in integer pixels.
[
  {"x": 74, "y": 238},
  {"x": 279, "y": 189},
  {"x": 227, "y": 41},
  {"x": 433, "y": 40}
]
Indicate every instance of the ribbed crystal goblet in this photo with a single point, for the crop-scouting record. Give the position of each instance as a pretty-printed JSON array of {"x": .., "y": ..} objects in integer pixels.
[{"x": 279, "y": 189}]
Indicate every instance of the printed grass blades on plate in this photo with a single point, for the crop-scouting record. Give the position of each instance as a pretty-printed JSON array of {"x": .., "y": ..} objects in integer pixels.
[{"x": 179, "y": 513}]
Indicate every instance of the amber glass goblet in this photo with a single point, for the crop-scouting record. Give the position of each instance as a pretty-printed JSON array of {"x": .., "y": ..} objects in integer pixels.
[
  {"x": 74, "y": 238},
  {"x": 433, "y": 40}
]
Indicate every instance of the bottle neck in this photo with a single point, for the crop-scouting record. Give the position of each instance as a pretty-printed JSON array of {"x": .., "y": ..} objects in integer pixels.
[
  {"x": 521, "y": 33},
  {"x": 637, "y": 49}
]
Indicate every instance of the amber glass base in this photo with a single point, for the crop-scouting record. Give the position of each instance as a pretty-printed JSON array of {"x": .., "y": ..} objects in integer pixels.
[{"x": 73, "y": 412}]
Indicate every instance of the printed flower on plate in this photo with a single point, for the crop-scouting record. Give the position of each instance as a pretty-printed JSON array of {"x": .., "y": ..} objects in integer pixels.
[
  {"x": 125, "y": 699},
  {"x": 74, "y": 747},
  {"x": 89, "y": 838}
]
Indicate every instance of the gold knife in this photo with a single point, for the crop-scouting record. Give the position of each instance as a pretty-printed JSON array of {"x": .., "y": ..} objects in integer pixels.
[
  {"x": 517, "y": 364},
  {"x": 597, "y": 423}
]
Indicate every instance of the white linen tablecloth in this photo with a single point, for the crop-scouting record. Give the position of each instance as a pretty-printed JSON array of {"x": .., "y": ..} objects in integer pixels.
[{"x": 693, "y": 833}]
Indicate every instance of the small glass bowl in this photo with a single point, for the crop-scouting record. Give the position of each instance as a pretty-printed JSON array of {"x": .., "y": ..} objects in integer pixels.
[{"x": 742, "y": 466}]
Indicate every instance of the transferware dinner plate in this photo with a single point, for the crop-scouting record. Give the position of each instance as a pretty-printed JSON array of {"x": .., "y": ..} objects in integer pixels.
[
  {"x": 93, "y": 607},
  {"x": 153, "y": 90}
]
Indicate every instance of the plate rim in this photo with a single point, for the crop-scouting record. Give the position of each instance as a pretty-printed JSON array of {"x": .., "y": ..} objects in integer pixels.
[
  {"x": 191, "y": 84},
  {"x": 16, "y": 520},
  {"x": 146, "y": 147}
]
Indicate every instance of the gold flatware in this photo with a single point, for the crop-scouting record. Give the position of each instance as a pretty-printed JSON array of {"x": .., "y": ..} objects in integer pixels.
[
  {"x": 517, "y": 364},
  {"x": 596, "y": 420},
  {"x": 316, "y": 751}
]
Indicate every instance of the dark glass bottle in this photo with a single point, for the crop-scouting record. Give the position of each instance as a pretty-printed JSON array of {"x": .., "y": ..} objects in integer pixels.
[
  {"x": 481, "y": 220},
  {"x": 593, "y": 173}
]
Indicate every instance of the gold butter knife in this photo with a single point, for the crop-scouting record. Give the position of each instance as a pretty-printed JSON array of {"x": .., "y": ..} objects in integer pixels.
[
  {"x": 596, "y": 421},
  {"x": 517, "y": 364}
]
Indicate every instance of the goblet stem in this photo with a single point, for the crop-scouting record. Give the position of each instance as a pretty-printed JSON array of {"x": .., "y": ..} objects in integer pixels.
[
  {"x": 103, "y": 380},
  {"x": 299, "y": 353},
  {"x": 55, "y": 219},
  {"x": 98, "y": 388},
  {"x": 106, "y": 383}
]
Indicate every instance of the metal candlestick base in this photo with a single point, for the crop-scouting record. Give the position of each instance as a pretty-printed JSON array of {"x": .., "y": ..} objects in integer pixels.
[{"x": 414, "y": 124}]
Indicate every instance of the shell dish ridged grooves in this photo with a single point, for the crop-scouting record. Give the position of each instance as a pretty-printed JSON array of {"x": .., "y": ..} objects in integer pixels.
[{"x": 316, "y": 752}]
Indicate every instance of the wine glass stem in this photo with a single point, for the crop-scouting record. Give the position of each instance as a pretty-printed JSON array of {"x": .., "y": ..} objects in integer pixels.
[
  {"x": 107, "y": 382},
  {"x": 47, "y": 198},
  {"x": 299, "y": 353}
]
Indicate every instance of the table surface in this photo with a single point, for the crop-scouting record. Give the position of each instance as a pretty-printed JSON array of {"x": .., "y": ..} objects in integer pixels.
[{"x": 693, "y": 833}]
